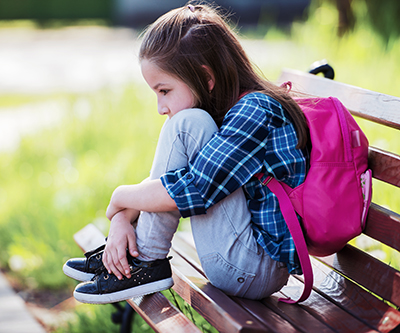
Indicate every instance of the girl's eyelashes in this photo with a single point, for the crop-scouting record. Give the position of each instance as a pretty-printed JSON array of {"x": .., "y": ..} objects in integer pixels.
[{"x": 164, "y": 91}]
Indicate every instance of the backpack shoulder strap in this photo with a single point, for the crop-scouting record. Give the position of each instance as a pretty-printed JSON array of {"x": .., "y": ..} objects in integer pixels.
[{"x": 293, "y": 224}]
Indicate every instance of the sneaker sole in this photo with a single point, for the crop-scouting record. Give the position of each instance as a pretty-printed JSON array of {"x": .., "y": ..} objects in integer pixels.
[
  {"x": 118, "y": 296},
  {"x": 77, "y": 275}
]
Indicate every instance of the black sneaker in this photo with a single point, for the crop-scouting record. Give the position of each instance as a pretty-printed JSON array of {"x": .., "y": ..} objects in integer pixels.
[
  {"x": 84, "y": 269},
  {"x": 147, "y": 277}
]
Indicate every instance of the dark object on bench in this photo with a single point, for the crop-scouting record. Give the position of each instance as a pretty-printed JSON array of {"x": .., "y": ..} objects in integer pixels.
[
  {"x": 324, "y": 68},
  {"x": 353, "y": 291}
]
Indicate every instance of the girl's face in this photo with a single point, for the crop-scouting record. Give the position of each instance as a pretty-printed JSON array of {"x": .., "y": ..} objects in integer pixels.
[{"x": 173, "y": 95}]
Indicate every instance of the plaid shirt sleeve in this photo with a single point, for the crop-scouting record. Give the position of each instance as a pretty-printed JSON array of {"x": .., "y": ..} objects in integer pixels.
[{"x": 228, "y": 161}]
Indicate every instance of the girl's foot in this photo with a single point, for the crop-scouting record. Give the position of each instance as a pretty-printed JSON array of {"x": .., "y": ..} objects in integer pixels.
[
  {"x": 84, "y": 269},
  {"x": 147, "y": 277}
]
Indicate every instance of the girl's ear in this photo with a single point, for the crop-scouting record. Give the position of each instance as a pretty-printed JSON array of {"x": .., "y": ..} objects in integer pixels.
[{"x": 210, "y": 78}]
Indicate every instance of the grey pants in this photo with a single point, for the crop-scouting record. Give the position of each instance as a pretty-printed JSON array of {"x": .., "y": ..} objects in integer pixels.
[{"x": 229, "y": 254}]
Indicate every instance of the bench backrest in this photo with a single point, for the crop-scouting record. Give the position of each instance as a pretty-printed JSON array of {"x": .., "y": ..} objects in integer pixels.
[{"x": 382, "y": 224}]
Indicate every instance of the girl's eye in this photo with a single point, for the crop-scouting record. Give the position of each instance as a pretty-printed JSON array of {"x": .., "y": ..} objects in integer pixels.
[{"x": 164, "y": 91}]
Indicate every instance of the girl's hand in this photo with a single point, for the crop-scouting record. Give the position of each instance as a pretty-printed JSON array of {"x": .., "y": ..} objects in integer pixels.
[{"x": 120, "y": 238}]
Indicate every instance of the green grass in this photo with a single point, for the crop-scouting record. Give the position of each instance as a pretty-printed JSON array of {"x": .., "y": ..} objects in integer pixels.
[
  {"x": 97, "y": 319},
  {"x": 62, "y": 178}
]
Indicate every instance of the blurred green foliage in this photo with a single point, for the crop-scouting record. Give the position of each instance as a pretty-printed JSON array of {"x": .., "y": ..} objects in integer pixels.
[
  {"x": 381, "y": 16},
  {"x": 359, "y": 58},
  {"x": 89, "y": 318},
  {"x": 97, "y": 319},
  {"x": 384, "y": 17},
  {"x": 62, "y": 178}
]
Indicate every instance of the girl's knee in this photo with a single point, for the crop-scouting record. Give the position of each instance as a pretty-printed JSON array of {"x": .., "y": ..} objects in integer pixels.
[
  {"x": 193, "y": 119},
  {"x": 193, "y": 128}
]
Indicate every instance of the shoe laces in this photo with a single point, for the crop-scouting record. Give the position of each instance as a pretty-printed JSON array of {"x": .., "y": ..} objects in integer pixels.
[
  {"x": 90, "y": 253},
  {"x": 98, "y": 272}
]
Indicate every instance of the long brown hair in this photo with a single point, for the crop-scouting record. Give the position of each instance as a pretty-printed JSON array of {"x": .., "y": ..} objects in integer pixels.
[{"x": 187, "y": 41}]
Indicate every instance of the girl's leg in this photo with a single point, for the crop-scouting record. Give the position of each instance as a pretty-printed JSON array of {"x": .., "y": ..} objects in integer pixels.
[
  {"x": 180, "y": 139},
  {"x": 228, "y": 251}
]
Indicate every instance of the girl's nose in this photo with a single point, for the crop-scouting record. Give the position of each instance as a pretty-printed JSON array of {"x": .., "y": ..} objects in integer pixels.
[{"x": 162, "y": 110}]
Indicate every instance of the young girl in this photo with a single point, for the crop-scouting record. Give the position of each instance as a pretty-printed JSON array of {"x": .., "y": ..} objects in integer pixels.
[{"x": 192, "y": 59}]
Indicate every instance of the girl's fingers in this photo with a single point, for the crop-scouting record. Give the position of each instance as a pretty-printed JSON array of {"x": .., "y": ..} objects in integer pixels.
[
  {"x": 109, "y": 264},
  {"x": 114, "y": 270},
  {"x": 117, "y": 263},
  {"x": 132, "y": 245},
  {"x": 123, "y": 265},
  {"x": 105, "y": 263}
]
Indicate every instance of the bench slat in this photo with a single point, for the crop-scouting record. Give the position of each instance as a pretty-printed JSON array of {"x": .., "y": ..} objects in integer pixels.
[
  {"x": 353, "y": 299},
  {"x": 385, "y": 166},
  {"x": 384, "y": 226},
  {"x": 294, "y": 313},
  {"x": 161, "y": 315},
  {"x": 323, "y": 310},
  {"x": 269, "y": 318},
  {"x": 371, "y": 105},
  {"x": 89, "y": 238},
  {"x": 369, "y": 272}
]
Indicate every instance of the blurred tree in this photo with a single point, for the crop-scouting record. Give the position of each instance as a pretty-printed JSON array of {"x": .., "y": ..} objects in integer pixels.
[
  {"x": 346, "y": 16},
  {"x": 384, "y": 17}
]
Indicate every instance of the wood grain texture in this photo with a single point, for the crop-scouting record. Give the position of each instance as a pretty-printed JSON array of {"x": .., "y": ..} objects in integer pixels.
[
  {"x": 161, "y": 315},
  {"x": 273, "y": 321},
  {"x": 295, "y": 313},
  {"x": 377, "y": 107},
  {"x": 385, "y": 166},
  {"x": 319, "y": 308},
  {"x": 383, "y": 225},
  {"x": 367, "y": 271},
  {"x": 354, "y": 299}
]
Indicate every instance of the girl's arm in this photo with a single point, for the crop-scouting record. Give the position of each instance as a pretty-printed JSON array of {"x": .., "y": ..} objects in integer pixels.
[{"x": 148, "y": 196}]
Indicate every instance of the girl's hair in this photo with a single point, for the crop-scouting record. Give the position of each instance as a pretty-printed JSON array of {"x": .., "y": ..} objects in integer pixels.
[{"x": 191, "y": 41}]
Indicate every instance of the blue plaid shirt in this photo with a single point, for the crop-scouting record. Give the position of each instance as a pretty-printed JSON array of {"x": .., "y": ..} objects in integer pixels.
[{"x": 256, "y": 136}]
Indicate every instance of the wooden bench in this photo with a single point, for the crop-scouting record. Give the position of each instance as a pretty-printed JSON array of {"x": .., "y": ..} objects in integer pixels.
[{"x": 353, "y": 291}]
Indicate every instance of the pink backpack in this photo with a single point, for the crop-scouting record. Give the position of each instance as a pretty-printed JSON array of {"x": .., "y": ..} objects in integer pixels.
[{"x": 333, "y": 201}]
